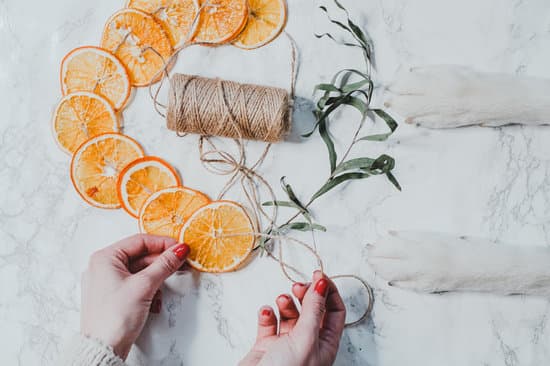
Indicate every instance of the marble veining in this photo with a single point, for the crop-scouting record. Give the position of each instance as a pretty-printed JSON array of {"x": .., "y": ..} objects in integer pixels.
[{"x": 471, "y": 181}]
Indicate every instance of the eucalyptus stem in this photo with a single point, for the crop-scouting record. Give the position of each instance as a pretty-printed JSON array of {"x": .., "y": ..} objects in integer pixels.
[
  {"x": 351, "y": 145},
  {"x": 349, "y": 87},
  {"x": 347, "y": 152}
]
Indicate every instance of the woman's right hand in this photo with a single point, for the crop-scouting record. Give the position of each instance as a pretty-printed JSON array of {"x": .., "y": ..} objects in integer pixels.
[{"x": 299, "y": 339}]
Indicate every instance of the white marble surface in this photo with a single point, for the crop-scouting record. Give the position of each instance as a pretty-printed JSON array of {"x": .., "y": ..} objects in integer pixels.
[{"x": 478, "y": 181}]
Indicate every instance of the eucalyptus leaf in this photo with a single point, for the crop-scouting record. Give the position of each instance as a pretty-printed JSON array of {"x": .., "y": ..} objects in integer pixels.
[
  {"x": 357, "y": 104},
  {"x": 390, "y": 122},
  {"x": 393, "y": 180},
  {"x": 357, "y": 33},
  {"x": 344, "y": 87},
  {"x": 354, "y": 86},
  {"x": 345, "y": 75},
  {"x": 332, "y": 156},
  {"x": 340, "y": 6},
  {"x": 376, "y": 137},
  {"x": 382, "y": 165},
  {"x": 350, "y": 71},
  {"x": 333, "y": 21},
  {"x": 320, "y": 106},
  {"x": 327, "y": 87},
  {"x": 352, "y": 29},
  {"x": 333, "y": 182},
  {"x": 354, "y": 164},
  {"x": 345, "y": 78},
  {"x": 328, "y": 35},
  {"x": 361, "y": 37},
  {"x": 280, "y": 204},
  {"x": 387, "y": 118},
  {"x": 334, "y": 103},
  {"x": 304, "y": 226},
  {"x": 292, "y": 196}
]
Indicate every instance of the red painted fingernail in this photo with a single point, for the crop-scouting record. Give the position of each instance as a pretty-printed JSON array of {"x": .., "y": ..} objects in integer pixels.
[
  {"x": 266, "y": 312},
  {"x": 181, "y": 251},
  {"x": 321, "y": 287},
  {"x": 299, "y": 284},
  {"x": 285, "y": 297}
]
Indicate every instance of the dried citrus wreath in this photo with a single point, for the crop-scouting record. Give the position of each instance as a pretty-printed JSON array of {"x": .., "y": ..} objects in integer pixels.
[{"x": 109, "y": 169}]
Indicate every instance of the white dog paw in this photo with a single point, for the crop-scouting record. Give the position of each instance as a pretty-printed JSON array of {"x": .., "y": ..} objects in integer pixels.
[
  {"x": 434, "y": 262},
  {"x": 417, "y": 260}
]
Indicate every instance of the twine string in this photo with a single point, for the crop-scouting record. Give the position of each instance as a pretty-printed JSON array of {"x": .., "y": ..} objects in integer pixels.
[
  {"x": 236, "y": 166},
  {"x": 222, "y": 162}
]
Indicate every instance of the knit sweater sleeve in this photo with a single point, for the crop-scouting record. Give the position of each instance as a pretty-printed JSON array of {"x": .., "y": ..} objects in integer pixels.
[{"x": 84, "y": 351}]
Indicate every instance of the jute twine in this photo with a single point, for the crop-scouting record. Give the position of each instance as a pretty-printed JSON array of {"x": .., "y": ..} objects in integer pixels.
[
  {"x": 239, "y": 111},
  {"x": 208, "y": 106}
]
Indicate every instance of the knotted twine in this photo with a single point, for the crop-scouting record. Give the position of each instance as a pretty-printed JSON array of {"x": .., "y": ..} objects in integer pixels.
[{"x": 240, "y": 111}]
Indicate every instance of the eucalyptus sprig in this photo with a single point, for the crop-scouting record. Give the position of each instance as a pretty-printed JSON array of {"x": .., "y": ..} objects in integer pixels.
[{"x": 347, "y": 88}]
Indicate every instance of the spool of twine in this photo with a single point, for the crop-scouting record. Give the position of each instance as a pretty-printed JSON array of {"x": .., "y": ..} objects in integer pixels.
[{"x": 216, "y": 107}]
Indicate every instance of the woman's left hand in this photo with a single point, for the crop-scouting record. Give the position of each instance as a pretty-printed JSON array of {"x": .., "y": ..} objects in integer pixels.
[{"x": 119, "y": 286}]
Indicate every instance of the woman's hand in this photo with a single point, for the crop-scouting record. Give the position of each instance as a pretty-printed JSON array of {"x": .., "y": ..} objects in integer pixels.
[
  {"x": 119, "y": 286},
  {"x": 309, "y": 338}
]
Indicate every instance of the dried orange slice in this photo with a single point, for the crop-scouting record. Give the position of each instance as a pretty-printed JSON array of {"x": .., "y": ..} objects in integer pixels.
[
  {"x": 95, "y": 70},
  {"x": 220, "y": 235},
  {"x": 221, "y": 21},
  {"x": 165, "y": 211},
  {"x": 141, "y": 178},
  {"x": 140, "y": 42},
  {"x": 80, "y": 116},
  {"x": 266, "y": 19},
  {"x": 96, "y": 165},
  {"x": 176, "y": 16}
]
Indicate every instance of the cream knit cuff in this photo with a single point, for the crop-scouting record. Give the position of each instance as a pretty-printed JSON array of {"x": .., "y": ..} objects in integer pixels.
[{"x": 84, "y": 351}]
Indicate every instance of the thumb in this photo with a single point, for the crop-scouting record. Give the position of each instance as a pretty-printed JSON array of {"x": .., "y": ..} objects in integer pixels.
[
  {"x": 314, "y": 306},
  {"x": 166, "y": 264}
]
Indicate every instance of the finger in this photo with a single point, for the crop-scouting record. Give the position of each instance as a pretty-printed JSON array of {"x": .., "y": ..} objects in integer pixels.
[
  {"x": 335, "y": 315},
  {"x": 288, "y": 312},
  {"x": 299, "y": 290},
  {"x": 140, "y": 263},
  {"x": 140, "y": 244},
  {"x": 267, "y": 323},
  {"x": 314, "y": 305},
  {"x": 166, "y": 264}
]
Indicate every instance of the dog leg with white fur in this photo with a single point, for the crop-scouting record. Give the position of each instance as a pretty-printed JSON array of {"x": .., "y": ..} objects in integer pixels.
[
  {"x": 432, "y": 262},
  {"x": 447, "y": 96}
]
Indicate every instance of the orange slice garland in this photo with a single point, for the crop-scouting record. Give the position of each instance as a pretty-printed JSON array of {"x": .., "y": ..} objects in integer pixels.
[
  {"x": 140, "y": 42},
  {"x": 266, "y": 19},
  {"x": 96, "y": 165},
  {"x": 108, "y": 169},
  {"x": 220, "y": 21},
  {"x": 141, "y": 178},
  {"x": 176, "y": 16},
  {"x": 95, "y": 70},
  {"x": 165, "y": 211},
  {"x": 80, "y": 116},
  {"x": 220, "y": 235}
]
